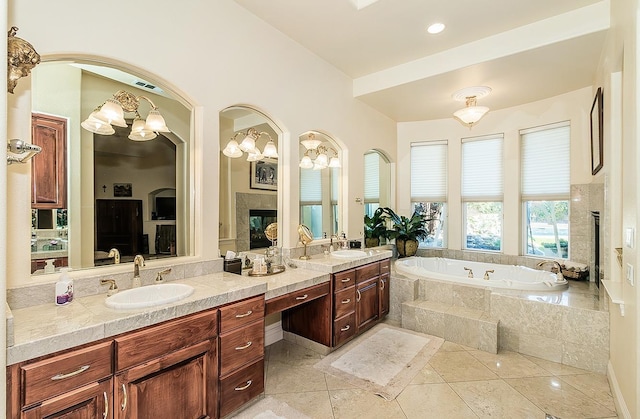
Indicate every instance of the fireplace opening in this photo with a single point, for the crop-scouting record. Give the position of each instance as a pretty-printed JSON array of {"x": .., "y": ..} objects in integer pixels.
[
  {"x": 258, "y": 222},
  {"x": 596, "y": 246}
]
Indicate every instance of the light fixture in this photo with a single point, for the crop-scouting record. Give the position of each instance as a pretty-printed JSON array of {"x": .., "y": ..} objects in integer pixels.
[
  {"x": 319, "y": 151},
  {"x": 435, "y": 28},
  {"x": 21, "y": 152},
  {"x": 248, "y": 145},
  {"x": 111, "y": 112},
  {"x": 471, "y": 113}
]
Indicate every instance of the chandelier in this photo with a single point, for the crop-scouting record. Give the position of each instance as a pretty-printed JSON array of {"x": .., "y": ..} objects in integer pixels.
[
  {"x": 471, "y": 113},
  {"x": 248, "y": 145},
  {"x": 315, "y": 157},
  {"x": 111, "y": 112}
]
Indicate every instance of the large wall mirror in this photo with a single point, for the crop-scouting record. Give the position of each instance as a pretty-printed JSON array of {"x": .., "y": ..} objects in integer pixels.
[
  {"x": 121, "y": 191},
  {"x": 320, "y": 183},
  {"x": 377, "y": 181},
  {"x": 249, "y": 174}
]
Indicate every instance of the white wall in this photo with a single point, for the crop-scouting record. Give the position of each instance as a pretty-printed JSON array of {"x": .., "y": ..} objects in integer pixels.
[{"x": 573, "y": 106}]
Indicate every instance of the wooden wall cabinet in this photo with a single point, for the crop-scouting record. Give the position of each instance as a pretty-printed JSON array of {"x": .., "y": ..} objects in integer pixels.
[{"x": 48, "y": 168}]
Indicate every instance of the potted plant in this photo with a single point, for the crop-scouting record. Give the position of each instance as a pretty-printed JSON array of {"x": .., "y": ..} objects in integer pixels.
[
  {"x": 407, "y": 231},
  {"x": 375, "y": 227}
]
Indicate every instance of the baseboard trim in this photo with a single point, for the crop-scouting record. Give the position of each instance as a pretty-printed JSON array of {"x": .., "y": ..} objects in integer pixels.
[
  {"x": 621, "y": 406},
  {"x": 273, "y": 333}
]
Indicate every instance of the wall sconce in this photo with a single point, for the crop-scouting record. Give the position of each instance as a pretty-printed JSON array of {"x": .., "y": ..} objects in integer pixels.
[
  {"x": 248, "y": 145},
  {"x": 21, "y": 152},
  {"x": 471, "y": 113},
  {"x": 319, "y": 152},
  {"x": 111, "y": 112}
]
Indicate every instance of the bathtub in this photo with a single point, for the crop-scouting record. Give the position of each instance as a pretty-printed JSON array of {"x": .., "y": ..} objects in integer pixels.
[{"x": 504, "y": 276}]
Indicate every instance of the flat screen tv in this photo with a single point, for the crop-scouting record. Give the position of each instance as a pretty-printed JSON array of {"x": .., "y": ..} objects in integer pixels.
[{"x": 166, "y": 207}]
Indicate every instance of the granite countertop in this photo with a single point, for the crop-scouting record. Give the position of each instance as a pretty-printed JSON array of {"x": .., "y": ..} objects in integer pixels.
[{"x": 44, "y": 329}]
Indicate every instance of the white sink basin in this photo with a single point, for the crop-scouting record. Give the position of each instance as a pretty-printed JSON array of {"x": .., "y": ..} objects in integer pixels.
[
  {"x": 348, "y": 254},
  {"x": 152, "y": 295}
]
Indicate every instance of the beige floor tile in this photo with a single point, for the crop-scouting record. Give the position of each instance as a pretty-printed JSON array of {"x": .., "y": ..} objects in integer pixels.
[
  {"x": 496, "y": 399},
  {"x": 283, "y": 377},
  {"x": 452, "y": 347},
  {"x": 359, "y": 404},
  {"x": 315, "y": 404},
  {"x": 335, "y": 383},
  {"x": 557, "y": 398},
  {"x": 427, "y": 375},
  {"x": 460, "y": 366},
  {"x": 595, "y": 386},
  {"x": 433, "y": 401},
  {"x": 291, "y": 353},
  {"x": 555, "y": 368},
  {"x": 508, "y": 364}
]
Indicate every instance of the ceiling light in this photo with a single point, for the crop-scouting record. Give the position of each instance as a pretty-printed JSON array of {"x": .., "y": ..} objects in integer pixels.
[
  {"x": 112, "y": 111},
  {"x": 248, "y": 145},
  {"x": 436, "y": 28},
  {"x": 471, "y": 113}
]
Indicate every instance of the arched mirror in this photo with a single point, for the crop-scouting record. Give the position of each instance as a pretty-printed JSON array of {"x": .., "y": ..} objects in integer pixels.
[
  {"x": 249, "y": 174},
  {"x": 117, "y": 187},
  {"x": 377, "y": 181},
  {"x": 320, "y": 182}
]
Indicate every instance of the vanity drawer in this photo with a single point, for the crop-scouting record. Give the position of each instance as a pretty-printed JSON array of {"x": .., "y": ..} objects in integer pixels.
[
  {"x": 155, "y": 341},
  {"x": 367, "y": 272},
  {"x": 344, "y": 328},
  {"x": 344, "y": 279},
  {"x": 241, "y": 346},
  {"x": 240, "y": 387},
  {"x": 385, "y": 266},
  {"x": 62, "y": 373},
  {"x": 297, "y": 298},
  {"x": 241, "y": 313},
  {"x": 344, "y": 302}
]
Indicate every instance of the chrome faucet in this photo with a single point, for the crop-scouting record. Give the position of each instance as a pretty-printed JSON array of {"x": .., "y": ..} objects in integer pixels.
[
  {"x": 115, "y": 254},
  {"x": 138, "y": 261},
  {"x": 557, "y": 268},
  {"x": 344, "y": 243}
]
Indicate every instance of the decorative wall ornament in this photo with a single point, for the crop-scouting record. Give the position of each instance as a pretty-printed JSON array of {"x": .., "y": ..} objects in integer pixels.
[{"x": 21, "y": 58}]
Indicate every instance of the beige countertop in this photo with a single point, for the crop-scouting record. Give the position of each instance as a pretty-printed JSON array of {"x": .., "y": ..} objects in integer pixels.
[{"x": 44, "y": 329}]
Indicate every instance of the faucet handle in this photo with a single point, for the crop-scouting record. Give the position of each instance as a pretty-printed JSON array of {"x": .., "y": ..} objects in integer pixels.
[
  {"x": 486, "y": 274},
  {"x": 470, "y": 275},
  {"x": 113, "y": 287},
  {"x": 163, "y": 272}
]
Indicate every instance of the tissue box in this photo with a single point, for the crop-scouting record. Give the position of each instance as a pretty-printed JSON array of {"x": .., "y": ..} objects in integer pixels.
[
  {"x": 355, "y": 244},
  {"x": 233, "y": 265}
]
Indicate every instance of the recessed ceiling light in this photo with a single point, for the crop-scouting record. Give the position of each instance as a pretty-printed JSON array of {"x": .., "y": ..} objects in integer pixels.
[{"x": 435, "y": 28}]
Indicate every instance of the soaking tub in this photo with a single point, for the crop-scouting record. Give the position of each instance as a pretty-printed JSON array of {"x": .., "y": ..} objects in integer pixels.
[{"x": 502, "y": 277}]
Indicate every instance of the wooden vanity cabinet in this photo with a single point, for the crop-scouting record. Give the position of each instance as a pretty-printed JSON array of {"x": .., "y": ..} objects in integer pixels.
[
  {"x": 344, "y": 306},
  {"x": 49, "y": 170},
  {"x": 92, "y": 401},
  {"x": 385, "y": 277},
  {"x": 367, "y": 296}
]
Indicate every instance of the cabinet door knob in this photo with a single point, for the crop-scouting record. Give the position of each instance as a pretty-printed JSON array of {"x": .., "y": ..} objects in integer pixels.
[
  {"x": 70, "y": 374},
  {"x": 358, "y": 296},
  {"x": 105, "y": 414},
  {"x": 381, "y": 285},
  {"x": 344, "y": 329},
  {"x": 304, "y": 297},
  {"x": 239, "y": 348},
  {"x": 248, "y": 313},
  {"x": 243, "y": 387},
  {"x": 346, "y": 280},
  {"x": 347, "y": 301},
  {"x": 124, "y": 398}
]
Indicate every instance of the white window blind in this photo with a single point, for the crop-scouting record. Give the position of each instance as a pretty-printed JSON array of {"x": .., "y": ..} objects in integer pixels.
[
  {"x": 371, "y": 177},
  {"x": 545, "y": 160},
  {"x": 335, "y": 186},
  {"x": 482, "y": 169},
  {"x": 310, "y": 187},
  {"x": 429, "y": 171}
]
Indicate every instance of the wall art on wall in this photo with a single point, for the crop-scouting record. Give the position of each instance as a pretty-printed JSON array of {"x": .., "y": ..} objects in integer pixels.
[
  {"x": 264, "y": 174},
  {"x": 122, "y": 190},
  {"x": 597, "y": 131}
]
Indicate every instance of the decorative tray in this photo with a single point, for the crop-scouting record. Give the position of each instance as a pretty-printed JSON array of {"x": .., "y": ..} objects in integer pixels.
[{"x": 276, "y": 269}]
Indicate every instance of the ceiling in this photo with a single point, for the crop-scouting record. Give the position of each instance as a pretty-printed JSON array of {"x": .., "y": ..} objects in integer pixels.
[{"x": 524, "y": 50}]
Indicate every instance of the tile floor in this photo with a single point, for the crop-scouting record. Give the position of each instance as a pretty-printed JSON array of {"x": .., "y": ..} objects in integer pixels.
[{"x": 458, "y": 382}]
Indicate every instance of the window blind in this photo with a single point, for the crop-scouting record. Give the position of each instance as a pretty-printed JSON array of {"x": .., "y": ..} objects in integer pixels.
[
  {"x": 335, "y": 186},
  {"x": 371, "y": 177},
  {"x": 545, "y": 170},
  {"x": 482, "y": 169},
  {"x": 310, "y": 187},
  {"x": 429, "y": 171}
]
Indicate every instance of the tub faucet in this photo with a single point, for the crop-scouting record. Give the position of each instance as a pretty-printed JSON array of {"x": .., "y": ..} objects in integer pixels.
[
  {"x": 557, "y": 268},
  {"x": 486, "y": 274},
  {"x": 138, "y": 261},
  {"x": 470, "y": 275},
  {"x": 115, "y": 254}
]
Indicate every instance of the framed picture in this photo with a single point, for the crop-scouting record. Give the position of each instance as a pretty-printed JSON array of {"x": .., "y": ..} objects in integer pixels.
[
  {"x": 597, "y": 131},
  {"x": 264, "y": 174},
  {"x": 122, "y": 190}
]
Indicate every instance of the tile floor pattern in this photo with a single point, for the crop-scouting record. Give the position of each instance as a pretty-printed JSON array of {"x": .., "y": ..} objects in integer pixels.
[{"x": 458, "y": 382}]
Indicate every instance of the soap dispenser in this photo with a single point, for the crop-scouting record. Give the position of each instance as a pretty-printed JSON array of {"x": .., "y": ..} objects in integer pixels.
[
  {"x": 49, "y": 268},
  {"x": 64, "y": 288}
]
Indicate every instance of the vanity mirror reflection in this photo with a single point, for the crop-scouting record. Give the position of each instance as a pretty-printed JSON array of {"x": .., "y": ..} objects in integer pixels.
[
  {"x": 320, "y": 182},
  {"x": 377, "y": 181},
  {"x": 249, "y": 178},
  {"x": 120, "y": 193}
]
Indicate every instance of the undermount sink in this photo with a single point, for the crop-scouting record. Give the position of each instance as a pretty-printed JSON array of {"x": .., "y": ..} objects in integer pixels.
[
  {"x": 348, "y": 254},
  {"x": 149, "y": 296}
]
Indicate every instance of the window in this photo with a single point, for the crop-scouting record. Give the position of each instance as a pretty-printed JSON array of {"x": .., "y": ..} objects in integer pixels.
[
  {"x": 311, "y": 200},
  {"x": 545, "y": 175},
  {"x": 482, "y": 192},
  {"x": 371, "y": 182},
  {"x": 429, "y": 188}
]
